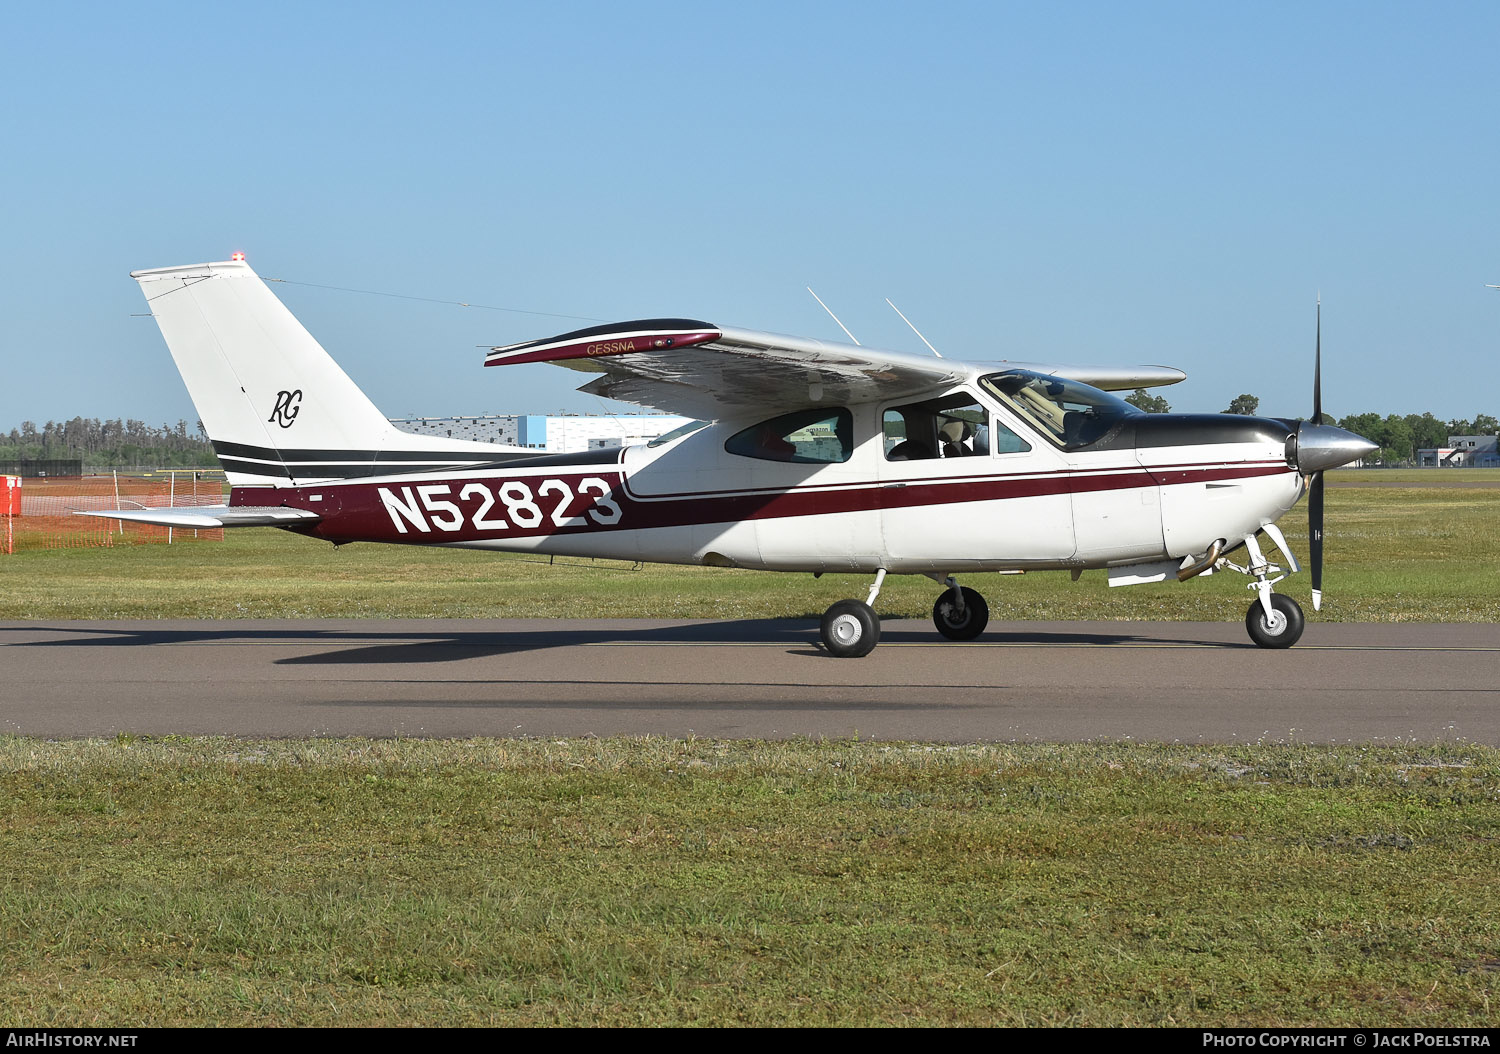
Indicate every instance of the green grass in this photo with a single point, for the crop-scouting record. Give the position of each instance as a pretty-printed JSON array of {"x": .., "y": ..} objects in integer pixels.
[
  {"x": 1393, "y": 554},
  {"x": 657, "y": 882},
  {"x": 1416, "y": 475}
]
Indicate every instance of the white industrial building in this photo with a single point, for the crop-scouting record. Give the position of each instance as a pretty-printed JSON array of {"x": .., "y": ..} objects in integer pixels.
[
  {"x": 555, "y": 433},
  {"x": 1462, "y": 452}
]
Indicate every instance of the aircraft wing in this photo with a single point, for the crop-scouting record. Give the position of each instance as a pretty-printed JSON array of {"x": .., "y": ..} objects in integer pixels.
[
  {"x": 1109, "y": 378},
  {"x": 201, "y": 516},
  {"x": 684, "y": 366}
]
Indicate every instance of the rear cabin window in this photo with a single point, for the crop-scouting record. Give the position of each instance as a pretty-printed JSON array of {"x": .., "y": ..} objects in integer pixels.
[{"x": 807, "y": 437}]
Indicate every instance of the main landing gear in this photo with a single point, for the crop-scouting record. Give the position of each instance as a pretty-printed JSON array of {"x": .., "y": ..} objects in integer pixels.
[
  {"x": 851, "y": 629},
  {"x": 960, "y": 613}
]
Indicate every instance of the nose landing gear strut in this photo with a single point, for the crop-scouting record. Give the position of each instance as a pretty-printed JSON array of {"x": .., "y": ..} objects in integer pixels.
[{"x": 1274, "y": 620}]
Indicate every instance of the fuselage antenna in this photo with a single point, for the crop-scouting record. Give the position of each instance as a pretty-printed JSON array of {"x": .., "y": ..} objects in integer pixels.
[
  {"x": 915, "y": 330},
  {"x": 831, "y": 315}
]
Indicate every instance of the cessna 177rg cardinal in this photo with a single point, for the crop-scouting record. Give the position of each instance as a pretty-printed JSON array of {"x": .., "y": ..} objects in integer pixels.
[{"x": 805, "y": 455}]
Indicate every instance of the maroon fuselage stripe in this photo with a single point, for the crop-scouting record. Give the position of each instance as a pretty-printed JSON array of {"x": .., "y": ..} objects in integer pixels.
[{"x": 356, "y": 511}]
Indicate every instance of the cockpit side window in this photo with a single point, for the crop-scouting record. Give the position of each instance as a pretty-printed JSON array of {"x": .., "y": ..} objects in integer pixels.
[
  {"x": 807, "y": 437},
  {"x": 1070, "y": 414},
  {"x": 1004, "y": 441},
  {"x": 954, "y": 425}
]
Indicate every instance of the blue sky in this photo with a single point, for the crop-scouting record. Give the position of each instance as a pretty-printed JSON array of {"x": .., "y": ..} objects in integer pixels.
[{"x": 1096, "y": 183}]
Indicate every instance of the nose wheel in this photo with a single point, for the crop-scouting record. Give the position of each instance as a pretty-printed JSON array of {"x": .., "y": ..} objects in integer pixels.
[{"x": 1280, "y": 628}]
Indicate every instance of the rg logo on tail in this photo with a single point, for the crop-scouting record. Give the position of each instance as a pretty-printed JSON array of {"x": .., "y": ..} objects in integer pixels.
[{"x": 286, "y": 409}]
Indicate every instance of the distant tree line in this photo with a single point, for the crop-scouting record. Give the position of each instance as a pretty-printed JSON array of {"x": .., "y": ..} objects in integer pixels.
[
  {"x": 115, "y": 442},
  {"x": 1399, "y": 437}
]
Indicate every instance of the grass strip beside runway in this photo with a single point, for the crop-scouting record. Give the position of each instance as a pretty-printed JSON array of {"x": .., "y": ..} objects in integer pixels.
[{"x": 209, "y": 881}]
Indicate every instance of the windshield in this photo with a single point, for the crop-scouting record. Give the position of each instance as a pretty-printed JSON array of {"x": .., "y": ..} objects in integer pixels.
[{"x": 1071, "y": 414}]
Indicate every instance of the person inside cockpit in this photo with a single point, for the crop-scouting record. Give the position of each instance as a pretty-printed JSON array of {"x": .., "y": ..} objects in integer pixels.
[{"x": 956, "y": 437}]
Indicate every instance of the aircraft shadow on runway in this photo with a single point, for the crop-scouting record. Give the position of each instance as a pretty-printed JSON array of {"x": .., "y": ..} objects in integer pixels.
[{"x": 358, "y": 646}]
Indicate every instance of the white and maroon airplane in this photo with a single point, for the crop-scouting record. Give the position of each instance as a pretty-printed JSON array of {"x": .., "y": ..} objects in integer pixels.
[{"x": 805, "y": 455}]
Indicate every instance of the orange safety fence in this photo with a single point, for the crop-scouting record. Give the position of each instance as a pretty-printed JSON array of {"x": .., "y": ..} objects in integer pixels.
[{"x": 48, "y": 504}]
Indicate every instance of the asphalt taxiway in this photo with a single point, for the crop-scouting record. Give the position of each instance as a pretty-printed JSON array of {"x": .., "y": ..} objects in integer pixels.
[{"x": 1173, "y": 681}]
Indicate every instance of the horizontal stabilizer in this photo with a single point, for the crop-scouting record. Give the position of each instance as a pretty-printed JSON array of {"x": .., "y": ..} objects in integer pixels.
[{"x": 202, "y": 516}]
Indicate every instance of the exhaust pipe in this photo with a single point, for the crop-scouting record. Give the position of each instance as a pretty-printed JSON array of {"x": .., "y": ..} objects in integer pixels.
[{"x": 1196, "y": 568}]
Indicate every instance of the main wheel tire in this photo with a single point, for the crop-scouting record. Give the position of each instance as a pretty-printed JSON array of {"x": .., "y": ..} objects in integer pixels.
[
  {"x": 850, "y": 629},
  {"x": 1283, "y": 630},
  {"x": 960, "y": 626}
]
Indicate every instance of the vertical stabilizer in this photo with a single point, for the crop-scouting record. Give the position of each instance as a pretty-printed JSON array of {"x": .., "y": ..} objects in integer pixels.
[{"x": 278, "y": 409}]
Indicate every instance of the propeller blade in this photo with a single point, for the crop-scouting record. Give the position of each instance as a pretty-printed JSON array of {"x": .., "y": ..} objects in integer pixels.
[
  {"x": 1315, "y": 487},
  {"x": 1315, "y": 537},
  {"x": 1317, "y": 416}
]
